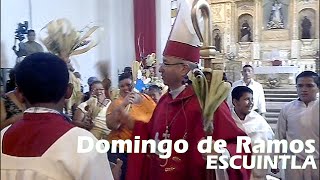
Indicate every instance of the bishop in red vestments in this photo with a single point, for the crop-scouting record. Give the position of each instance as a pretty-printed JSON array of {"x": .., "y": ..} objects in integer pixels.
[{"x": 178, "y": 115}]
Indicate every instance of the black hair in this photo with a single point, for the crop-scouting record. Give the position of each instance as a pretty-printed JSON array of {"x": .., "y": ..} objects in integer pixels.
[
  {"x": 127, "y": 70},
  {"x": 77, "y": 74},
  {"x": 30, "y": 31},
  {"x": 125, "y": 76},
  {"x": 93, "y": 83},
  {"x": 310, "y": 74},
  {"x": 11, "y": 83},
  {"x": 238, "y": 92},
  {"x": 247, "y": 65},
  {"x": 224, "y": 77},
  {"x": 42, "y": 78},
  {"x": 155, "y": 87}
]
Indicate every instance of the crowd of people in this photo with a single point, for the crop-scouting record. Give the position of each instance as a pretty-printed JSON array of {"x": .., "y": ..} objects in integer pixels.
[
  {"x": 35, "y": 106},
  {"x": 39, "y": 134}
]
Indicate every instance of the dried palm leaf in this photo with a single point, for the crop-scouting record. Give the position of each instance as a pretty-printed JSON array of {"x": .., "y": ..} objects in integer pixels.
[
  {"x": 103, "y": 69},
  {"x": 60, "y": 37}
]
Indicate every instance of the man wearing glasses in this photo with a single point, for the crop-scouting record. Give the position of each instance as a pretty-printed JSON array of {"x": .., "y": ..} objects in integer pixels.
[{"x": 178, "y": 115}]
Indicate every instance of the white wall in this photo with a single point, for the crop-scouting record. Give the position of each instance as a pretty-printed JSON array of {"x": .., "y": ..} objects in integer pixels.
[
  {"x": 115, "y": 16},
  {"x": 118, "y": 47},
  {"x": 80, "y": 13},
  {"x": 163, "y": 18},
  {"x": 12, "y": 12}
]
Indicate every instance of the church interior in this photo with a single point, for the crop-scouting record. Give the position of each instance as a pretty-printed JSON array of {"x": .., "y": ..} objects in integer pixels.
[{"x": 278, "y": 38}]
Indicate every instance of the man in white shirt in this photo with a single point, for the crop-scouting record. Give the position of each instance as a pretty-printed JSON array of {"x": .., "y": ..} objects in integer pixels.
[
  {"x": 250, "y": 122},
  {"x": 299, "y": 119},
  {"x": 259, "y": 102}
]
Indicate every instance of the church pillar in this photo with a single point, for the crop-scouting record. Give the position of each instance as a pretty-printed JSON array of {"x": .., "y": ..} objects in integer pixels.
[
  {"x": 163, "y": 26},
  {"x": 294, "y": 20},
  {"x": 117, "y": 19},
  {"x": 234, "y": 28},
  {"x": 295, "y": 34},
  {"x": 257, "y": 19},
  {"x": 256, "y": 51},
  {"x": 256, "y": 28},
  {"x": 228, "y": 28}
]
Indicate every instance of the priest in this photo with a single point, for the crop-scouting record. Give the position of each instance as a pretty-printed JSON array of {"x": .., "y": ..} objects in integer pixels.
[{"x": 178, "y": 115}]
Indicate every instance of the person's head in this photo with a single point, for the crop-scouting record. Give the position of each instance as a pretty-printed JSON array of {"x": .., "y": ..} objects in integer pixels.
[
  {"x": 154, "y": 92},
  {"x": 125, "y": 84},
  {"x": 31, "y": 35},
  {"x": 96, "y": 89},
  {"x": 77, "y": 75},
  {"x": 173, "y": 71},
  {"x": 43, "y": 80},
  {"x": 106, "y": 84},
  {"x": 11, "y": 84},
  {"x": 242, "y": 99},
  {"x": 152, "y": 71},
  {"x": 91, "y": 80},
  {"x": 247, "y": 72},
  {"x": 307, "y": 84},
  {"x": 127, "y": 70}
]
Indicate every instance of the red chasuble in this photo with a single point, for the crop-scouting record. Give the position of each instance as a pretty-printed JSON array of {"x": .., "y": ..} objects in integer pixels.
[
  {"x": 34, "y": 134},
  {"x": 183, "y": 116}
]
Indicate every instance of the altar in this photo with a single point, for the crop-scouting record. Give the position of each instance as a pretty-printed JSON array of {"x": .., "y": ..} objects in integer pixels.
[{"x": 276, "y": 76}]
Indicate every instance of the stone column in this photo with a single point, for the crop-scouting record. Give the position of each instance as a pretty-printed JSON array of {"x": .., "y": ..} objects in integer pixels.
[
  {"x": 317, "y": 63},
  {"x": 295, "y": 43},
  {"x": 256, "y": 28},
  {"x": 257, "y": 19},
  {"x": 256, "y": 51},
  {"x": 228, "y": 26}
]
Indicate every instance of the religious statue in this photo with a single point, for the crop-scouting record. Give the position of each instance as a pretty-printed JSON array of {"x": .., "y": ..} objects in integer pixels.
[
  {"x": 306, "y": 26},
  {"x": 276, "y": 16},
  {"x": 217, "y": 42},
  {"x": 245, "y": 32}
]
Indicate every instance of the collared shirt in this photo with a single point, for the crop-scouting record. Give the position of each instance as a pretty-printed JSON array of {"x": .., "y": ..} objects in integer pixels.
[
  {"x": 174, "y": 93},
  {"x": 299, "y": 121},
  {"x": 47, "y": 110},
  {"x": 41, "y": 110},
  {"x": 259, "y": 102}
]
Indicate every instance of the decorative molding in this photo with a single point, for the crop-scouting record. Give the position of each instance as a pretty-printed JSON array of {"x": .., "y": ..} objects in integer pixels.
[
  {"x": 218, "y": 12},
  {"x": 245, "y": 8},
  {"x": 305, "y": 5},
  {"x": 275, "y": 35},
  {"x": 270, "y": 45}
]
